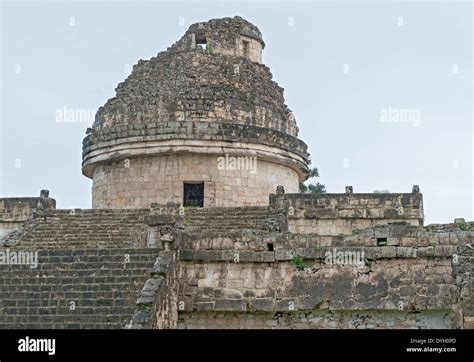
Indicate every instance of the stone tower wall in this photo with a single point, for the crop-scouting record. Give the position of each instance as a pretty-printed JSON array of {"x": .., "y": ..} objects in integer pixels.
[
  {"x": 229, "y": 36},
  {"x": 138, "y": 182},
  {"x": 207, "y": 96}
]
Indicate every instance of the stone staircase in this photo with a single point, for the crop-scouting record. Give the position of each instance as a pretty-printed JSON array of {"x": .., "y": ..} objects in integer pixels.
[
  {"x": 79, "y": 288},
  {"x": 91, "y": 267},
  {"x": 93, "y": 264},
  {"x": 226, "y": 219},
  {"x": 97, "y": 228}
]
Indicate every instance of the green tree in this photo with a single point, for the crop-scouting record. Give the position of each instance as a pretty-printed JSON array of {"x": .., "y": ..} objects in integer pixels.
[{"x": 311, "y": 187}]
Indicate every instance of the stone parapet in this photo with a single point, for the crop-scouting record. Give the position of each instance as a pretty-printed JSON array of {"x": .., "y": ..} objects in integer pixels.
[
  {"x": 14, "y": 211},
  {"x": 333, "y": 214}
]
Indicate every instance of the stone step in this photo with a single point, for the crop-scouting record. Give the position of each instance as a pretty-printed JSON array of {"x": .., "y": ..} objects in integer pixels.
[
  {"x": 224, "y": 224},
  {"x": 101, "y": 252},
  {"x": 58, "y": 303},
  {"x": 116, "y": 258},
  {"x": 45, "y": 280},
  {"x": 97, "y": 308},
  {"x": 104, "y": 316},
  {"x": 81, "y": 325},
  {"x": 76, "y": 266},
  {"x": 92, "y": 287},
  {"x": 197, "y": 210},
  {"x": 43, "y": 257},
  {"x": 202, "y": 228},
  {"x": 228, "y": 215},
  {"x": 34, "y": 247},
  {"x": 237, "y": 218},
  {"x": 70, "y": 295},
  {"x": 77, "y": 234},
  {"x": 69, "y": 273}
]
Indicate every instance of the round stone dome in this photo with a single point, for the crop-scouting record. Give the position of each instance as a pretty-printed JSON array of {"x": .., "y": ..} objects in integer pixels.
[{"x": 208, "y": 95}]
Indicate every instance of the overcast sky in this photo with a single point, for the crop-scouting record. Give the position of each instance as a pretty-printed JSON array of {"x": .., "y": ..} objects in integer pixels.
[{"x": 382, "y": 93}]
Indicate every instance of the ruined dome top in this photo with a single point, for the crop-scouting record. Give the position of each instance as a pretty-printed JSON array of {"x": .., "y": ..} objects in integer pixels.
[
  {"x": 203, "y": 76},
  {"x": 227, "y": 28},
  {"x": 210, "y": 83}
]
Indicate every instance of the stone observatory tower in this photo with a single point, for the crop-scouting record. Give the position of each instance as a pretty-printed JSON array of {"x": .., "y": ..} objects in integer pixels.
[{"x": 200, "y": 124}]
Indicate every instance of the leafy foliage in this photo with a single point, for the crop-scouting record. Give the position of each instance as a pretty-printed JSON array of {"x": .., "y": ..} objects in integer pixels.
[
  {"x": 464, "y": 227},
  {"x": 298, "y": 261},
  {"x": 311, "y": 187}
]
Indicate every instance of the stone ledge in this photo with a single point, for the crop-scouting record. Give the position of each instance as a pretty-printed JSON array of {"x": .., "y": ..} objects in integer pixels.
[
  {"x": 257, "y": 240},
  {"x": 301, "y": 303},
  {"x": 212, "y": 130},
  {"x": 370, "y": 253},
  {"x": 132, "y": 148}
]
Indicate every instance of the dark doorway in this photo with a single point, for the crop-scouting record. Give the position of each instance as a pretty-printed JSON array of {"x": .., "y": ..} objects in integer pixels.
[
  {"x": 245, "y": 45},
  {"x": 193, "y": 194}
]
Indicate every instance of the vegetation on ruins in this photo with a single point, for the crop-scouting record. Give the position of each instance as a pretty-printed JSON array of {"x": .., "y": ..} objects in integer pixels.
[
  {"x": 312, "y": 187},
  {"x": 298, "y": 261}
]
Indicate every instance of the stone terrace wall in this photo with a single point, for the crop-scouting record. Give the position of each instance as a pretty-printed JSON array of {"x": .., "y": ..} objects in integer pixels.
[
  {"x": 412, "y": 277},
  {"x": 241, "y": 268},
  {"x": 334, "y": 214},
  {"x": 14, "y": 211},
  {"x": 317, "y": 319}
]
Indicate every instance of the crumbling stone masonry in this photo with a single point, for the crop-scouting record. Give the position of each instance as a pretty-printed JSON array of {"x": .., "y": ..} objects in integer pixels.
[
  {"x": 194, "y": 115},
  {"x": 15, "y": 211},
  {"x": 335, "y": 214},
  {"x": 410, "y": 276},
  {"x": 186, "y": 233},
  {"x": 170, "y": 267}
]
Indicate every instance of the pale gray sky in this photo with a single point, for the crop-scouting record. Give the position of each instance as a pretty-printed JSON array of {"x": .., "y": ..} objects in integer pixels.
[{"x": 341, "y": 63}]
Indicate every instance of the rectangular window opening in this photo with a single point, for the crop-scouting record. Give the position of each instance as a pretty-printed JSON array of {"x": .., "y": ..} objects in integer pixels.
[
  {"x": 201, "y": 41},
  {"x": 193, "y": 194},
  {"x": 245, "y": 47}
]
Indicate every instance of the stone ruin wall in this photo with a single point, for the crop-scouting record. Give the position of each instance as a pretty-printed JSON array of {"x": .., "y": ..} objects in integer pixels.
[
  {"x": 412, "y": 276},
  {"x": 336, "y": 214},
  {"x": 157, "y": 305},
  {"x": 411, "y": 282},
  {"x": 232, "y": 37},
  {"x": 14, "y": 211},
  {"x": 169, "y": 121}
]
